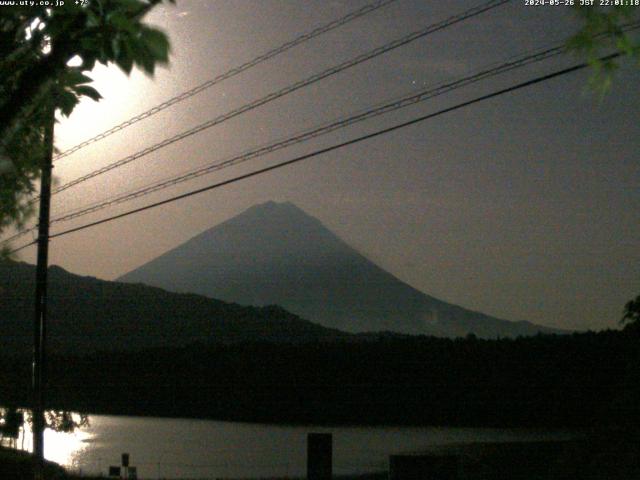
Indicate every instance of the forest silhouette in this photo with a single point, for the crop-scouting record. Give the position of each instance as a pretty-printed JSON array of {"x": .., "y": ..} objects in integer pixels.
[{"x": 579, "y": 380}]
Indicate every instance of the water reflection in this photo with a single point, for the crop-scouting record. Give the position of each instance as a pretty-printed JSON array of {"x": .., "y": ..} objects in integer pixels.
[
  {"x": 181, "y": 448},
  {"x": 65, "y": 448},
  {"x": 61, "y": 447}
]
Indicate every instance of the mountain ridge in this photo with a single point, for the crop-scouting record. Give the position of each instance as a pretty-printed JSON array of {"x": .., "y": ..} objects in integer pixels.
[
  {"x": 86, "y": 314},
  {"x": 275, "y": 253}
]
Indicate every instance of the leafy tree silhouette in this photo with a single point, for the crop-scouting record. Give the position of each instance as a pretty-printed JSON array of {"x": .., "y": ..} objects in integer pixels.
[
  {"x": 605, "y": 29},
  {"x": 632, "y": 312},
  {"x": 37, "y": 44}
]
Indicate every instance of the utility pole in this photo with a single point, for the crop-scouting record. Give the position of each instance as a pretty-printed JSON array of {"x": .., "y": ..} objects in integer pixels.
[{"x": 39, "y": 323}]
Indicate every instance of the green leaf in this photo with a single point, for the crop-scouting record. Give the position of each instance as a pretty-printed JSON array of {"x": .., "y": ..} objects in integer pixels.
[
  {"x": 87, "y": 91},
  {"x": 147, "y": 63},
  {"x": 142, "y": 57},
  {"x": 121, "y": 22},
  {"x": 125, "y": 61},
  {"x": 88, "y": 62},
  {"x": 157, "y": 43},
  {"x": 67, "y": 101},
  {"x": 76, "y": 77}
]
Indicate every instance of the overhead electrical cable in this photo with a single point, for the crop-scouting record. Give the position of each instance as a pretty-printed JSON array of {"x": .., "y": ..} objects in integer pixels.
[
  {"x": 287, "y": 90},
  {"x": 274, "y": 95},
  {"x": 489, "y": 71},
  {"x": 514, "y": 62},
  {"x": 322, "y": 151},
  {"x": 397, "y": 104},
  {"x": 231, "y": 73},
  {"x": 18, "y": 235}
]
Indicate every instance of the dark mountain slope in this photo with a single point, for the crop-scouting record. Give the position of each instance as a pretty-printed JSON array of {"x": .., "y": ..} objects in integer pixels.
[
  {"x": 277, "y": 254},
  {"x": 87, "y": 314}
]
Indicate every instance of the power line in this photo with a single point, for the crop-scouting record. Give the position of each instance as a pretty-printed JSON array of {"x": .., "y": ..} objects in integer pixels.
[
  {"x": 18, "y": 235},
  {"x": 423, "y": 95},
  {"x": 16, "y": 250},
  {"x": 361, "y": 58},
  {"x": 514, "y": 62},
  {"x": 273, "y": 96},
  {"x": 231, "y": 73},
  {"x": 353, "y": 141},
  {"x": 291, "y": 88}
]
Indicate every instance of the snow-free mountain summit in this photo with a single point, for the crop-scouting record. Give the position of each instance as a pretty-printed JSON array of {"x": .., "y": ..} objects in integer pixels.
[{"x": 275, "y": 253}]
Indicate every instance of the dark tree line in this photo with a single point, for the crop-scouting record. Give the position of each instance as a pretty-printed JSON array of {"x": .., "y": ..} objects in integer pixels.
[{"x": 576, "y": 380}]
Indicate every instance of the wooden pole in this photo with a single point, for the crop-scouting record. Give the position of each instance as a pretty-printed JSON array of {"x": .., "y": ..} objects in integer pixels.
[{"x": 39, "y": 323}]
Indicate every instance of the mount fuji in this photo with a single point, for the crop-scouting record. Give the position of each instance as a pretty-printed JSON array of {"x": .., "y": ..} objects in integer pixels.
[{"x": 275, "y": 253}]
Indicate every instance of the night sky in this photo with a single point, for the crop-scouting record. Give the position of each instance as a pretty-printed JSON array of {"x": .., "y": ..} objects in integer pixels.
[{"x": 524, "y": 207}]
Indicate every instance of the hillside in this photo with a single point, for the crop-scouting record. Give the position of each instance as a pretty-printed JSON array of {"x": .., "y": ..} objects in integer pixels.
[{"x": 88, "y": 314}]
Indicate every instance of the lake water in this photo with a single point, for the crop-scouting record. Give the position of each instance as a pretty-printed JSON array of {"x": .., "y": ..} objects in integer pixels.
[{"x": 182, "y": 448}]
